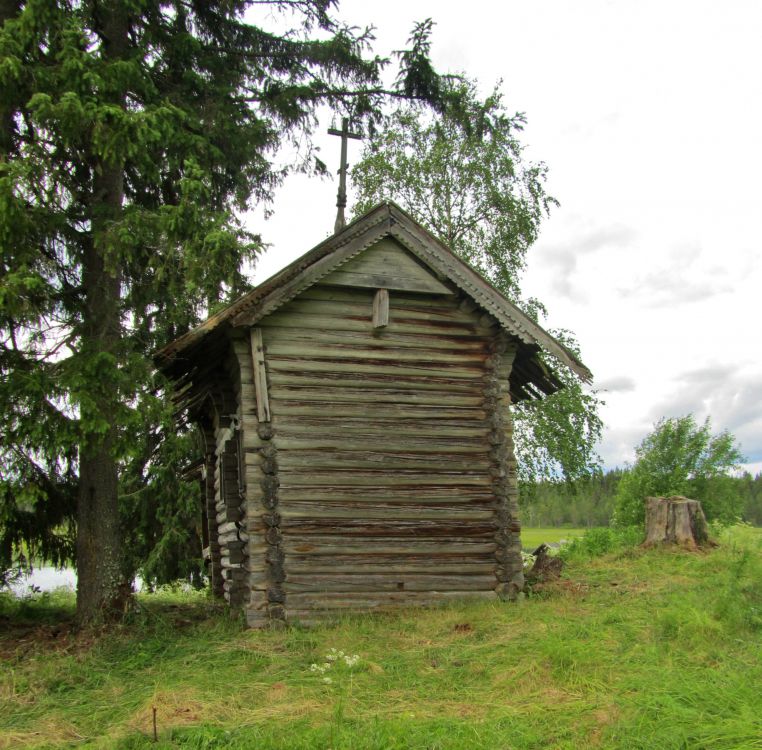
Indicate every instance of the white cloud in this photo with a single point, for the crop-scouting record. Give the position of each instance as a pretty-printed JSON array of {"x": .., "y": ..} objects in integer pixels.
[
  {"x": 561, "y": 261},
  {"x": 616, "y": 384},
  {"x": 730, "y": 395},
  {"x": 685, "y": 275}
]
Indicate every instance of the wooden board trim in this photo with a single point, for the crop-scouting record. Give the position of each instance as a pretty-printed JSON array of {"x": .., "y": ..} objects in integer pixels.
[
  {"x": 260, "y": 375},
  {"x": 381, "y": 308}
]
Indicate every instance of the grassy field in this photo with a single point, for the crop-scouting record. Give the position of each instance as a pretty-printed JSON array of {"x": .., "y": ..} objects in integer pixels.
[
  {"x": 531, "y": 538},
  {"x": 635, "y": 649}
]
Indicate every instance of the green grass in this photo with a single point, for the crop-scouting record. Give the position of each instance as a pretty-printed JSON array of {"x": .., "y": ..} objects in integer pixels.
[
  {"x": 658, "y": 649},
  {"x": 531, "y": 538}
]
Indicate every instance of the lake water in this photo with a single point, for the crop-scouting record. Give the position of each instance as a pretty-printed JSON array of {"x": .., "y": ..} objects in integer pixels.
[
  {"x": 48, "y": 578},
  {"x": 45, "y": 579}
]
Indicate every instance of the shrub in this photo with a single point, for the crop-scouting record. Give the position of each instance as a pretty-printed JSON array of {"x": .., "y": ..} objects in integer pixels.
[
  {"x": 681, "y": 458},
  {"x": 601, "y": 541}
]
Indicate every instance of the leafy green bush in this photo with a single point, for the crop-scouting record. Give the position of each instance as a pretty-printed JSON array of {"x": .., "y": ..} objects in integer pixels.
[
  {"x": 681, "y": 457},
  {"x": 601, "y": 541}
]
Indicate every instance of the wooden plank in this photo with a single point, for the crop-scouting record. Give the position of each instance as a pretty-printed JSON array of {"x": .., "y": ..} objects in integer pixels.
[
  {"x": 367, "y": 601},
  {"x": 401, "y": 511},
  {"x": 420, "y": 310},
  {"x": 362, "y": 322},
  {"x": 389, "y": 564},
  {"x": 425, "y": 423},
  {"x": 401, "y": 547},
  {"x": 372, "y": 583},
  {"x": 432, "y": 368},
  {"x": 381, "y": 308},
  {"x": 420, "y": 441},
  {"x": 362, "y": 380},
  {"x": 319, "y": 460},
  {"x": 390, "y": 337},
  {"x": 387, "y": 528},
  {"x": 335, "y": 394},
  {"x": 345, "y": 354},
  {"x": 260, "y": 375},
  {"x": 403, "y": 412},
  {"x": 326, "y": 293},
  {"x": 424, "y": 494},
  {"x": 387, "y": 281},
  {"x": 296, "y": 477}
]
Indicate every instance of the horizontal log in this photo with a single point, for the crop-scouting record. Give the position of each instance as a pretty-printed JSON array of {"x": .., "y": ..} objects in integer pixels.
[
  {"x": 428, "y": 367},
  {"x": 402, "y": 322},
  {"x": 386, "y": 281},
  {"x": 321, "y": 291},
  {"x": 338, "y": 582},
  {"x": 421, "y": 495},
  {"x": 225, "y": 562},
  {"x": 410, "y": 307},
  {"x": 403, "y": 512},
  {"x": 367, "y": 478},
  {"x": 336, "y": 394},
  {"x": 376, "y": 352},
  {"x": 231, "y": 540},
  {"x": 296, "y": 529},
  {"x": 446, "y": 431},
  {"x": 347, "y": 378},
  {"x": 389, "y": 564},
  {"x": 391, "y": 338},
  {"x": 307, "y": 602},
  {"x": 347, "y": 546},
  {"x": 229, "y": 514},
  {"x": 296, "y": 583},
  {"x": 320, "y": 460},
  {"x": 419, "y": 442},
  {"x": 371, "y": 412}
]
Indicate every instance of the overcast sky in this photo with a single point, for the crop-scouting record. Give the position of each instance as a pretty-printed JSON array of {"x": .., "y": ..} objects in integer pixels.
[{"x": 649, "y": 117}]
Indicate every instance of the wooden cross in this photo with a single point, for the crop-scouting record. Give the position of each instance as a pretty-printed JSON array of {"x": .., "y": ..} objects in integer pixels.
[{"x": 341, "y": 199}]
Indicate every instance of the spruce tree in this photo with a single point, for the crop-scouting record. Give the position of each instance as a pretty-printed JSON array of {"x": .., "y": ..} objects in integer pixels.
[{"x": 132, "y": 137}]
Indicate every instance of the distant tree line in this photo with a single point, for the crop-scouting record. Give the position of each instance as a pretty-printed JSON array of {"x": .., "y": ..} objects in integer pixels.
[
  {"x": 680, "y": 456},
  {"x": 591, "y": 502}
]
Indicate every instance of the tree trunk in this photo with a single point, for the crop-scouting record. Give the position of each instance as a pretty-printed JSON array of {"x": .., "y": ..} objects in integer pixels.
[
  {"x": 101, "y": 590},
  {"x": 99, "y": 545},
  {"x": 675, "y": 520}
]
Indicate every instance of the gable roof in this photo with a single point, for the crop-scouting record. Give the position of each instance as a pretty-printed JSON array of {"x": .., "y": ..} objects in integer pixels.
[{"x": 385, "y": 220}]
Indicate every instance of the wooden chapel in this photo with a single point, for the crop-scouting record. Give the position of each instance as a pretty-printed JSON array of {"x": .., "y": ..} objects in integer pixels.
[{"x": 355, "y": 413}]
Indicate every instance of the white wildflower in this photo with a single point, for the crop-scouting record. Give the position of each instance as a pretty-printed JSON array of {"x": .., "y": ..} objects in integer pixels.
[{"x": 327, "y": 680}]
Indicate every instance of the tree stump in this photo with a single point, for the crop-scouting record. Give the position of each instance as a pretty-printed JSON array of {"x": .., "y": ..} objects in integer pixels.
[
  {"x": 545, "y": 568},
  {"x": 675, "y": 520}
]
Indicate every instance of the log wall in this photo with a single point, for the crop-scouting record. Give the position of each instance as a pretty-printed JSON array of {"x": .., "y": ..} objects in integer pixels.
[{"x": 384, "y": 473}]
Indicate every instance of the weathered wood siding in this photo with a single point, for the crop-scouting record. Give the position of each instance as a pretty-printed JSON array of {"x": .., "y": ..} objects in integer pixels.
[{"x": 384, "y": 474}]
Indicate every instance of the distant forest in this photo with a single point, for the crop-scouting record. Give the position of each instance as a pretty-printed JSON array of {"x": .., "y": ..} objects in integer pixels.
[{"x": 590, "y": 502}]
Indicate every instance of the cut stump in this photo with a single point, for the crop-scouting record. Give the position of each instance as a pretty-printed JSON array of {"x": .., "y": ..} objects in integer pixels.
[
  {"x": 545, "y": 568},
  {"x": 675, "y": 520}
]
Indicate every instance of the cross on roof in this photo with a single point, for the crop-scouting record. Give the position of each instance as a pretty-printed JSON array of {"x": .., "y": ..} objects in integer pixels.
[{"x": 341, "y": 198}]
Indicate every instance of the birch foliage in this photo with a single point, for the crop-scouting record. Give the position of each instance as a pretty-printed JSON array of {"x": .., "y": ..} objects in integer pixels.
[{"x": 464, "y": 176}]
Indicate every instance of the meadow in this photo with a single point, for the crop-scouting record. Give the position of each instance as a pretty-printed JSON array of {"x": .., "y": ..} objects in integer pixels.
[{"x": 631, "y": 649}]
